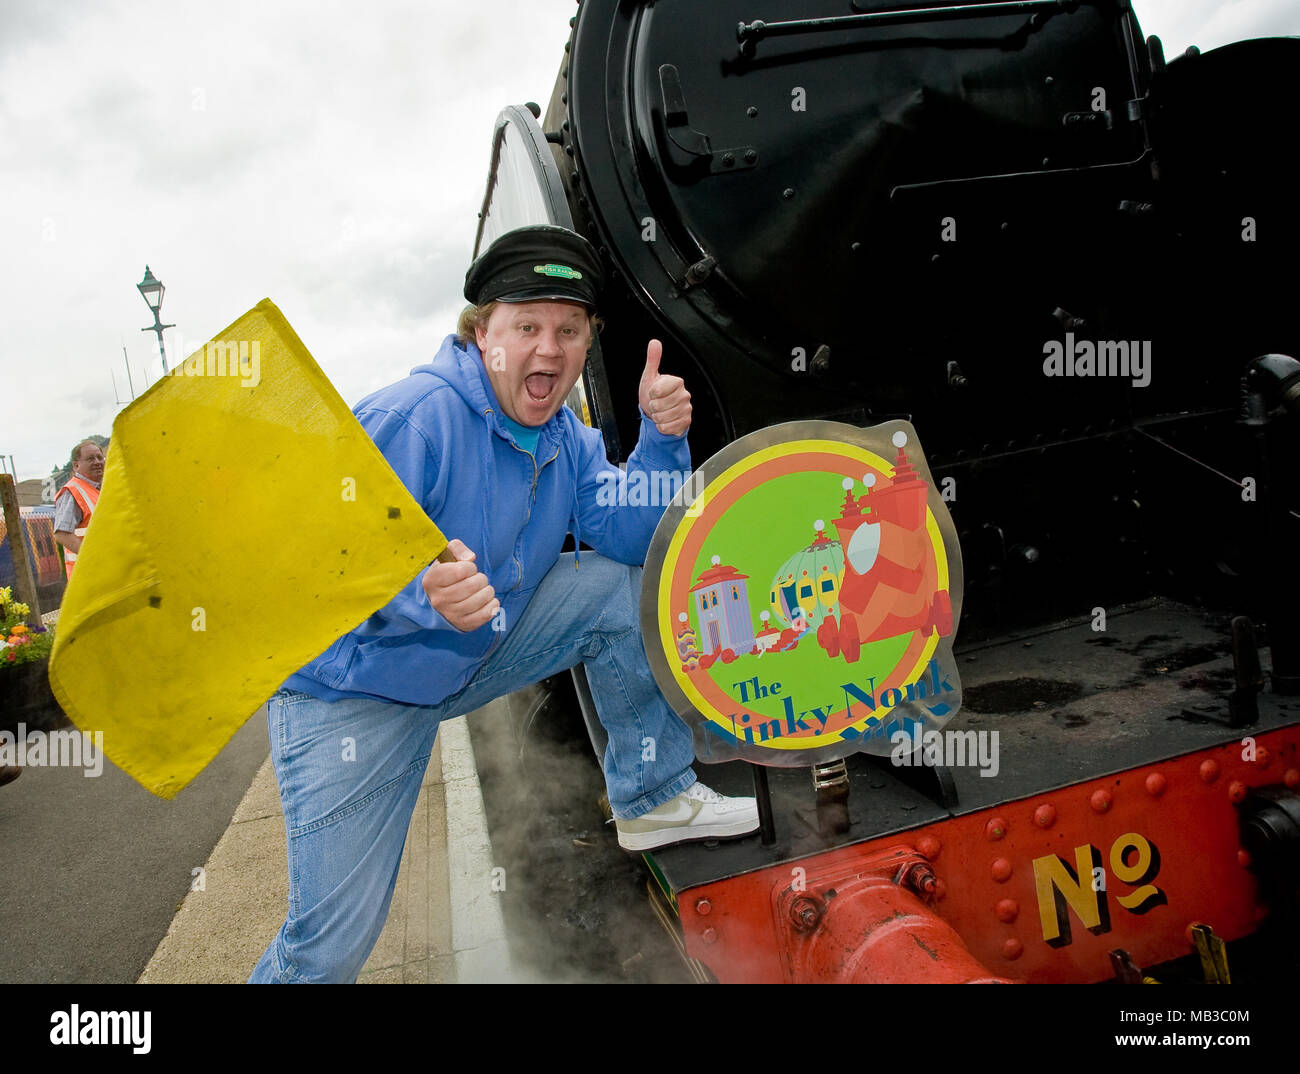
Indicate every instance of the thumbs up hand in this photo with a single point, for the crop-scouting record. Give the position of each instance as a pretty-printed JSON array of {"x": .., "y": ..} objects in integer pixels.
[{"x": 663, "y": 399}]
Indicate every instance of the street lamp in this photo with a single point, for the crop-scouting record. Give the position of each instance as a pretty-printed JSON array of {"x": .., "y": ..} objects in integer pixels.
[{"x": 152, "y": 290}]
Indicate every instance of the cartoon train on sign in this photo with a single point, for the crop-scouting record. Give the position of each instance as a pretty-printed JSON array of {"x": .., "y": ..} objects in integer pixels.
[
  {"x": 885, "y": 585},
  {"x": 726, "y": 627},
  {"x": 806, "y": 586}
]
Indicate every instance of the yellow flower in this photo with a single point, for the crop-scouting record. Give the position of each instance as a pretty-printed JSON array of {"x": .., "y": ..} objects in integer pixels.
[{"x": 20, "y": 610}]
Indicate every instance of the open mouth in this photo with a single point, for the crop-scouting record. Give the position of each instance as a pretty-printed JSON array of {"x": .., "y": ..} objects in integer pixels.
[{"x": 540, "y": 386}]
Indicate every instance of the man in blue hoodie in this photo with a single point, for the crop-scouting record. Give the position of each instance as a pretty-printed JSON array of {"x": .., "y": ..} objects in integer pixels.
[{"x": 483, "y": 441}]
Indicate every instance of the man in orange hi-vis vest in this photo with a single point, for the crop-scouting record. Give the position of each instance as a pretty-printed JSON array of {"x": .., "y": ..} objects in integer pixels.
[{"x": 72, "y": 511}]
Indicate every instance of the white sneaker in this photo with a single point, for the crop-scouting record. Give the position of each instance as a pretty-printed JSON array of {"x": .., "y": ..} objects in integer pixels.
[{"x": 695, "y": 814}]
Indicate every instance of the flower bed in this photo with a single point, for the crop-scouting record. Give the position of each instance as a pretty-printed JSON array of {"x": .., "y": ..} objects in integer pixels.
[{"x": 25, "y": 694}]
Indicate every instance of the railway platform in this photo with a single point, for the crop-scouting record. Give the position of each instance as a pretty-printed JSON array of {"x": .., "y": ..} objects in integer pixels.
[{"x": 445, "y": 924}]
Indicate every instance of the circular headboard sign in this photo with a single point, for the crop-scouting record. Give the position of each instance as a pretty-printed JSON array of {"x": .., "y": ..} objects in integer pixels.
[{"x": 801, "y": 595}]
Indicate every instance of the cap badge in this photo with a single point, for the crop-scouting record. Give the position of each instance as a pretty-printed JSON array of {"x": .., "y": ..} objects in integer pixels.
[{"x": 558, "y": 270}]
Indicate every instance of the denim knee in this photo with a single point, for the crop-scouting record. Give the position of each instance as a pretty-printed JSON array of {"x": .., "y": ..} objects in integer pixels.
[
  {"x": 346, "y": 817},
  {"x": 616, "y": 599}
]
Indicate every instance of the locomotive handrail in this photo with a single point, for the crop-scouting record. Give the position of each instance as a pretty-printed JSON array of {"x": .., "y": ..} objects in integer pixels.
[{"x": 748, "y": 34}]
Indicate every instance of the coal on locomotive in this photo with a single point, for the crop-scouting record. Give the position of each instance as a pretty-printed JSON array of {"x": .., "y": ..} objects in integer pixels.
[{"x": 1061, "y": 258}]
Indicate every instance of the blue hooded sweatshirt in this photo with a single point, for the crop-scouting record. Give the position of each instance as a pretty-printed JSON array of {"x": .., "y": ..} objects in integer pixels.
[{"x": 441, "y": 431}]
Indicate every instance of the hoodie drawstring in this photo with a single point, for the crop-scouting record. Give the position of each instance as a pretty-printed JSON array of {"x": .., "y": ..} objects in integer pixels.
[{"x": 574, "y": 527}]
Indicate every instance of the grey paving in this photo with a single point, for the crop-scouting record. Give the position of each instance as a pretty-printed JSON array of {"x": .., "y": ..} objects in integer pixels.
[
  {"x": 92, "y": 869},
  {"x": 444, "y": 924}
]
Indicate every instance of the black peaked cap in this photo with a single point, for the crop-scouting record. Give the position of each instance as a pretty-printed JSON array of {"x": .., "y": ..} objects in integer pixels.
[{"x": 533, "y": 264}]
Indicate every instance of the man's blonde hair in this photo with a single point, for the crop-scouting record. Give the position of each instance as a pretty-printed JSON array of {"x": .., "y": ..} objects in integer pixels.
[{"x": 470, "y": 319}]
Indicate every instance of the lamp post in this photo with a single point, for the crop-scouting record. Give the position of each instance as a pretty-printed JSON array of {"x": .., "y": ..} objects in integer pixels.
[{"x": 152, "y": 289}]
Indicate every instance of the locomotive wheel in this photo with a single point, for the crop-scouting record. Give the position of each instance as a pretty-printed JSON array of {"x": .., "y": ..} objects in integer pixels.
[
  {"x": 828, "y": 636},
  {"x": 849, "y": 641},
  {"x": 941, "y": 613}
]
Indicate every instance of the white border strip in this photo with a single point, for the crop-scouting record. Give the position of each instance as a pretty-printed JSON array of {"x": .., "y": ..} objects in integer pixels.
[{"x": 478, "y": 934}]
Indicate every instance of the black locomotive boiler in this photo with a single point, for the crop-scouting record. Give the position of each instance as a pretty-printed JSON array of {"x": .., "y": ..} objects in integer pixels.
[{"x": 1065, "y": 259}]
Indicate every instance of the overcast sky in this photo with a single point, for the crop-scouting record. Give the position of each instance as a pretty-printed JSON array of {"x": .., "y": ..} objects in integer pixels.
[{"x": 328, "y": 155}]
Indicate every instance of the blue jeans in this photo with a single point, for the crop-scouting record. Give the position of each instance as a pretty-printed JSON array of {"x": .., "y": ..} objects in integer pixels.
[{"x": 350, "y": 771}]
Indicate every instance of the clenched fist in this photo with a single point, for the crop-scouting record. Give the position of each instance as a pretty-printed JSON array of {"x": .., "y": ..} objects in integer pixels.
[
  {"x": 459, "y": 592},
  {"x": 663, "y": 399}
]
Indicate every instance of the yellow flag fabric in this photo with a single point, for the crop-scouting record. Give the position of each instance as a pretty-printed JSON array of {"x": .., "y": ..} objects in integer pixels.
[{"x": 246, "y": 520}]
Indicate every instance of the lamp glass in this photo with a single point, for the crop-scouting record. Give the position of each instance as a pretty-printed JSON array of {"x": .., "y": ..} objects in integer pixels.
[{"x": 152, "y": 289}]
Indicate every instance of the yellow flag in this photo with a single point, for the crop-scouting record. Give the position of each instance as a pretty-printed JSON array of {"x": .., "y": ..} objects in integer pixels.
[{"x": 246, "y": 520}]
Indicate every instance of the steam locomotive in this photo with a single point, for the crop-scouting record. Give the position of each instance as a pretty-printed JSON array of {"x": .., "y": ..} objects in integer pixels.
[{"x": 1062, "y": 259}]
